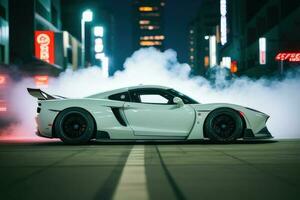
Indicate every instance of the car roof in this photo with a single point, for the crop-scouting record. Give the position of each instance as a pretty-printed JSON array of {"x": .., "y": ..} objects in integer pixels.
[{"x": 116, "y": 91}]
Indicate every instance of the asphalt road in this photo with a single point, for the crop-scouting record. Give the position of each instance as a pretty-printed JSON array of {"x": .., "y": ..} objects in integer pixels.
[{"x": 246, "y": 170}]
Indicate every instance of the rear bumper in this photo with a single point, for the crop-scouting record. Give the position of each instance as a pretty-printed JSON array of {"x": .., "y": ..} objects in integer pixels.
[{"x": 262, "y": 134}]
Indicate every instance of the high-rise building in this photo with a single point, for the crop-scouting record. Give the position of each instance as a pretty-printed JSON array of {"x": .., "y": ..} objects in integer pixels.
[
  {"x": 37, "y": 43},
  {"x": 148, "y": 24},
  {"x": 277, "y": 22},
  {"x": 249, "y": 35},
  {"x": 201, "y": 29}
]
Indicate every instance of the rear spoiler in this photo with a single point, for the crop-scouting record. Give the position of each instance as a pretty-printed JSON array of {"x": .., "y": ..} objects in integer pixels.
[{"x": 39, "y": 94}]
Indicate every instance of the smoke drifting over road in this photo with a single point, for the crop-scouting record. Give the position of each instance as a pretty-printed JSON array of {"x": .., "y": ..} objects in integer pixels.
[{"x": 278, "y": 98}]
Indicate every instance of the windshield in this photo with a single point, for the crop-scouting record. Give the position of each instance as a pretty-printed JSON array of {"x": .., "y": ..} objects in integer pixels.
[{"x": 186, "y": 99}]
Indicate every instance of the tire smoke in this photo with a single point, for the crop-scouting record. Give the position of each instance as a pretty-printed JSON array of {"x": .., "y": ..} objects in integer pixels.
[{"x": 279, "y": 98}]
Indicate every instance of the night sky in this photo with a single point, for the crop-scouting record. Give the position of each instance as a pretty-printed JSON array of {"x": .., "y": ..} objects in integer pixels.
[{"x": 178, "y": 14}]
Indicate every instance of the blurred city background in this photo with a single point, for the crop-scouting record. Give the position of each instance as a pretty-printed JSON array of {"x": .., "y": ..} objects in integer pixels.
[{"x": 40, "y": 39}]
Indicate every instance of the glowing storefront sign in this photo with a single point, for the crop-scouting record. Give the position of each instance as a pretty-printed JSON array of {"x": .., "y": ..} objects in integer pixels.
[
  {"x": 41, "y": 80},
  {"x": 3, "y": 106},
  {"x": 223, "y": 22},
  {"x": 290, "y": 57},
  {"x": 262, "y": 51},
  {"x": 212, "y": 51},
  {"x": 44, "y": 46},
  {"x": 226, "y": 62},
  {"x": 2, "y": 79}
]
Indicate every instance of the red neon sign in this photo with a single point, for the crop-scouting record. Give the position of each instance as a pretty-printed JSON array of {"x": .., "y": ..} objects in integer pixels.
[
  {"x": 41, "y": 80},
  {"x": 2, "y": 79},
  {"x": 44, "y": 45},
  {"x": 3, "y": 106},
  {"x": 291, "y": 57}
]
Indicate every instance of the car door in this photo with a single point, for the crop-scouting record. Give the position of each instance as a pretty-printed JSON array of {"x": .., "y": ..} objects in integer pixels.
[{"x": 153, "y": 113}]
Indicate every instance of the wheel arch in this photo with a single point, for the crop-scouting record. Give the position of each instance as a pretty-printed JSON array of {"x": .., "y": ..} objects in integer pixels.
[
  {"x": 54, "y": 135},
  {"x": 219, "y": 108}
]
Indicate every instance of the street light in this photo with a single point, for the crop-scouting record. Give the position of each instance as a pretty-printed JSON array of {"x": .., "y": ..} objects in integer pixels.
[{"x": 87, "y": 16}]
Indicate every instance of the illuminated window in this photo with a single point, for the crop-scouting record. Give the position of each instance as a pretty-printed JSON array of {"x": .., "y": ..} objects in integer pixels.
[
  {"x": 144, "y": 22},
  {"x": 147, "y": 8},
  {"x": 149, "y": 27},
  {"x": 206, "y": 61},
  {"x": 150, "y": 14},
  {"x": 159, "y": 37},
  {"x": 150, "y": 43},
  {"x": 152, "y": 37}
]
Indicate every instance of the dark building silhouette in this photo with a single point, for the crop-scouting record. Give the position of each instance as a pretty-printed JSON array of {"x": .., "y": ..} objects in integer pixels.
[
  {"x": 276, "y": 21},
  {"x": 25, "y": 18},
  {"x": 204, "y": 25}
]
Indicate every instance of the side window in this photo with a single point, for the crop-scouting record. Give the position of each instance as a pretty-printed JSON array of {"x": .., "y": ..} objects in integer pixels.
[
  {"x": 124, "y": 96},
  {"x": 153, "y": 98},
  {"x": 151, "y": 95}
]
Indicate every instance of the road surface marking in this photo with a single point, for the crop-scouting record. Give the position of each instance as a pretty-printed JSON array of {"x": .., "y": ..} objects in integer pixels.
[{"x": 133, "y": 182}]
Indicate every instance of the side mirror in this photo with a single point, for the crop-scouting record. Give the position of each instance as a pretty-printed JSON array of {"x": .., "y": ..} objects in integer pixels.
[{"x": 178, "y": 101}]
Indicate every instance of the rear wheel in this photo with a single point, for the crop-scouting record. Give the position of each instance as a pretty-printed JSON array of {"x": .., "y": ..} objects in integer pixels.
[
  {"x": 224, "y": 125},
  {"x": 74, "y": 126}
]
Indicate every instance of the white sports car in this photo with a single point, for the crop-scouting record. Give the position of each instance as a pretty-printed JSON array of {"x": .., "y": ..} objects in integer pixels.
[{"x": 144, "y": 113}]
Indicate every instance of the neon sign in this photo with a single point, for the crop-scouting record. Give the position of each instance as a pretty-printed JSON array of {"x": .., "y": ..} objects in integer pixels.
[
  {"x": 223, "y": 22},
  {"x": 44, "y": 46},
  {"x": 291, "y": 57},
  {"x": 41, "y": 80},
  {"x": 262, "y": 51}
]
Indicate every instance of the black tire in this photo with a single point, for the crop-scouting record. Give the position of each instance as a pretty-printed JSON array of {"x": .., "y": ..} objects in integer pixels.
[
  {"x": 223, "y": 125},
  {"x": 74, "y": 126}
]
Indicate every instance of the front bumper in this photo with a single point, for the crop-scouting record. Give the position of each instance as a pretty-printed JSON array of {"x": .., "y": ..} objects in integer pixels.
[
  {"x": 38, "y": 133},
  {"x": 262, "y": 134}
]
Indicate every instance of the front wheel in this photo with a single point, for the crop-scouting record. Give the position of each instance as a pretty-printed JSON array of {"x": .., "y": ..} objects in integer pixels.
[
  {"x": 224, "y": 125},
  {"x": 74, "y": 126}
]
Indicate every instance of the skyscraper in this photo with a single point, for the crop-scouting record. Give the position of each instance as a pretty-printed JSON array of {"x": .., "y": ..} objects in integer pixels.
[
  {"x": 200, "y": 29},
  {"x": 148, "y": 26}
]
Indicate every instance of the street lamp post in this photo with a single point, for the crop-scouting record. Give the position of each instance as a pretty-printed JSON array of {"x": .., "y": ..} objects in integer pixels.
[{"x": 87, "y": 16}]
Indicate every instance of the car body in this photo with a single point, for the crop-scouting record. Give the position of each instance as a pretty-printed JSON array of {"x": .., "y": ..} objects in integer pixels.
[{"x": 144, "y": 112}]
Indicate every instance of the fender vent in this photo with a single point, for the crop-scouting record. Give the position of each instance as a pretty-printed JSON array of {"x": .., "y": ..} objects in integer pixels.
[{"x": 118, "y": 116}]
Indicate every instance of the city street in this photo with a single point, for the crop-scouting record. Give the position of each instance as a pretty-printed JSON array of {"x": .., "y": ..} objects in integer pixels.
[{"x": 151, "y": 170}]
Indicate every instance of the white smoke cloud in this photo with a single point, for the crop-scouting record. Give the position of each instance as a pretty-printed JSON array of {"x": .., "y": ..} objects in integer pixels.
[{"x": 278, "y": 98}]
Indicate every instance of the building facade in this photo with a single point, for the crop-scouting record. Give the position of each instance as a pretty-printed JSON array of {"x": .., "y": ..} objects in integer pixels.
[
  {"x": 148, "y": 24},
  {"x": 201, "y": 29},
  {"x": 255, "y": 32},
  {"x": 37, "y": 43},
  {"x": 277, "y": 21}
]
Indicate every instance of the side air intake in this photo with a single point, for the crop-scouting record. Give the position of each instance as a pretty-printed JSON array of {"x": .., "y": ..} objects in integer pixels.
[{"x": 118, "y": 116}]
